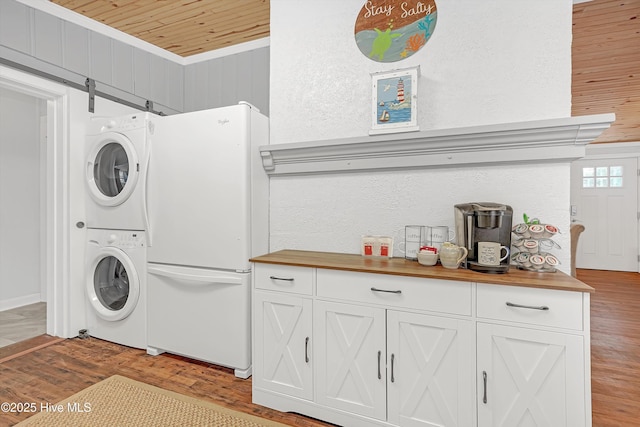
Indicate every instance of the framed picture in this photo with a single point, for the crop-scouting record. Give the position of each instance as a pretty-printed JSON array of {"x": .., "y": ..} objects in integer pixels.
[{"x": 394, "y": 105}]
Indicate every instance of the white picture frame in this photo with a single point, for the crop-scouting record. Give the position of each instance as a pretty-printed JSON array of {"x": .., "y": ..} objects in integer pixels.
[{"x": 394, "y": 105}]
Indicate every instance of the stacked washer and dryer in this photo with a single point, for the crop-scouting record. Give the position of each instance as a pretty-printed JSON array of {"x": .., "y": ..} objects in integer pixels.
[
  {"x": 178, "y": 205},
  {"x": 116, "y": 253}
]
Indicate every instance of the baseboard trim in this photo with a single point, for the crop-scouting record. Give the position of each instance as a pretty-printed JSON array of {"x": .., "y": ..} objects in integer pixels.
[{"x": 8, "y": 304}]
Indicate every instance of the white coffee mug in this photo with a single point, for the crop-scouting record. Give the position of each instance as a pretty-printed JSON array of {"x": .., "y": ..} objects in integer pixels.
[
  {"x": 490, "y": 253},
  {"x": 442, "y": 234}
]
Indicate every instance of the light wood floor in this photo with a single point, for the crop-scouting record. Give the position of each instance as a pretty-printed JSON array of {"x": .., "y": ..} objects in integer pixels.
[
  {"x": 19, "y": 324},
  {"x": 56, "y": 371}
]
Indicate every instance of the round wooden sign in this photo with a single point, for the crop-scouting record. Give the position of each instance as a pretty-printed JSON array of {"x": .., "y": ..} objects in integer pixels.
[{"x": 393, "y": 30}]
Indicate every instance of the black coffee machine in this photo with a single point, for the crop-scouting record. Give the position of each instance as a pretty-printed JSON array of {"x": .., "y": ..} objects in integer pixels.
[{"x": 483, "y": 222}]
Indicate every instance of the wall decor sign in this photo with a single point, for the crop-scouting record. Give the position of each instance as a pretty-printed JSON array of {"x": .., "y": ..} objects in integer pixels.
[
  {"x": 393, "y": 30},
  {"x": 394, "y": 105}
]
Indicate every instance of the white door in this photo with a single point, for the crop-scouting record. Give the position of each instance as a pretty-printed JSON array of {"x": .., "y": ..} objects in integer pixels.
[
  {"x": 528, "y": 377},
  {"x": 430, "y": 370},
  {"x": 604, "y": 198},
  {"x": 350, "y": 350},
  {"x": 282, "y": 341}
]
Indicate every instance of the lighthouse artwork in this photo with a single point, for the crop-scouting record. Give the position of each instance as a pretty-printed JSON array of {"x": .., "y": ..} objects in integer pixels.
[{"x": 394, "y": 101}]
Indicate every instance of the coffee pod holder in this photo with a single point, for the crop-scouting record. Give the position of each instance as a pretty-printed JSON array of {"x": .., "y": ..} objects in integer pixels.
[{"x": 531, "y": 245}]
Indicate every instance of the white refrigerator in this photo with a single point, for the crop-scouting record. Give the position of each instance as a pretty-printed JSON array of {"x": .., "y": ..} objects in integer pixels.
[{"x": 208, "y": 200}]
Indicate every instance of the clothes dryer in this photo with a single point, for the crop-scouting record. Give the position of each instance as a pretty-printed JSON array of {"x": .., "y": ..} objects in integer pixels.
[
  {"x": 117, "y": 156},
  {"x": 116, "y": 286}
]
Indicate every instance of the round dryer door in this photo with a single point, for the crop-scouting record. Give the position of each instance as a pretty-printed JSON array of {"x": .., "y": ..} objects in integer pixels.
[
  {"x": 112, "y": 169},
  {"x": 113, "y": 286}
]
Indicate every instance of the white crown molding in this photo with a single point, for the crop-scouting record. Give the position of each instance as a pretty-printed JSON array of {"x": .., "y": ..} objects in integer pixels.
[
  {"x": 541, "y": 141},
  {"x": 70, "y": 16}
]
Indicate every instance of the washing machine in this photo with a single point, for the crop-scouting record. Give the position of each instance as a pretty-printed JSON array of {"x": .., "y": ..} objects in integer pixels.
[
  {"x": 116, "y": 286},
  {"x": 117, "y": 156}
]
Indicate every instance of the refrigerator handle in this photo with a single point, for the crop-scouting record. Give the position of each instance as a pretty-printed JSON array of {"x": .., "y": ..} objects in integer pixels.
[
  {"x": 200, "y": 278},
  {"x": 145, "y": 201}
]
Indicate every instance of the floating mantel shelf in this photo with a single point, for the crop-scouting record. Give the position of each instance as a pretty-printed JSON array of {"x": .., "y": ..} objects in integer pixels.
[{"x": 541, "y": 141}]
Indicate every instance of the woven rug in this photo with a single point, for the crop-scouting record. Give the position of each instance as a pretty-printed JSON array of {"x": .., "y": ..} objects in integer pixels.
[{"x": 122, "y": 402}]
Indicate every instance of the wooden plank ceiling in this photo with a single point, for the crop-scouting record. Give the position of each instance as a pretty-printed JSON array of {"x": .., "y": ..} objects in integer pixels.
[
  {"x": 184, "y": 27},
  {"x": 605, "y": 51},
  {"x": 606, "y": 65}
]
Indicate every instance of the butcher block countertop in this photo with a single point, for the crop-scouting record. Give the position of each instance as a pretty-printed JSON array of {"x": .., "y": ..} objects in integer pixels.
[{"x": 403, "y": 267}]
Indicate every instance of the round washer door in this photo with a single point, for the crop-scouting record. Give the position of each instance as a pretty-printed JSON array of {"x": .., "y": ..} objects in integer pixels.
[
  {"x": 113, "y": 285},
  {"x": 112, "y": 169}
]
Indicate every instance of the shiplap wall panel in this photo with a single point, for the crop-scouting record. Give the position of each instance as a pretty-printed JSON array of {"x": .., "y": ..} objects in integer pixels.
[
  {"x": 175, "y": 85},
  {"x": 101, "y": 59},
  {"x": 243, "y": 79},
  {"x": 75, "y": 49},
  {"x": 194, "y": 75},
  {"x": 122, "y": 66},
  {"x": 210, "y": 84},
  {"x": 142, "y": 74},
  {"x": 15, "y": 26},
  {"x": 158, "y": 79},
  {"x": 229, "y": 80},
  {"x": 47, "y": 38},
  {"x": 260, "y": 79}
]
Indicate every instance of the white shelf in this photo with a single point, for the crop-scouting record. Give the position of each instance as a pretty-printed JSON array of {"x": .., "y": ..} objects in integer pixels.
[{"x": 541, "y": 141}]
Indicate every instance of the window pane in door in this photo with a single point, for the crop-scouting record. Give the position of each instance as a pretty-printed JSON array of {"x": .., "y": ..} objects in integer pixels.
[
  {"x": 587, "y": 182},
  {"x": 615, "y": 181},
  {"x": 602, "y": 171},
  {"x": 615, "y": 171},
  {"x": 602, "y": 182},
  {"x": 587, "y": 172}
]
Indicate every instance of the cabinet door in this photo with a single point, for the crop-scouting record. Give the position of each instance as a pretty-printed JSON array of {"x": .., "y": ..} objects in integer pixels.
[
  {"x": 528, "y": 377},
  {"x": 431, "y": 370},
  {"x": 350, "y": 351},
  {"x": 282, "y": 339}
]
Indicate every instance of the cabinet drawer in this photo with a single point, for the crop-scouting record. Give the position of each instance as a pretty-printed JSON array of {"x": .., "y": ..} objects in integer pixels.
[
  {"x": 286, "y": 278},
  {"x": 546, "y": 307},
  {"x": 445, "y": 296}
]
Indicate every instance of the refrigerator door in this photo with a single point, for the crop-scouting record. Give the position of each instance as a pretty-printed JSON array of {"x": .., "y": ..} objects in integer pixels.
[
  {"x": 202, "y": 314},
  {"x": 200, "y": 188}
]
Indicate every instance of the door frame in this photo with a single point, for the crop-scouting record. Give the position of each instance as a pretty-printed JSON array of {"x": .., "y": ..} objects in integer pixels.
[
  {"x": 56, "y": 233},
  {"x": 616, "y": 150}
]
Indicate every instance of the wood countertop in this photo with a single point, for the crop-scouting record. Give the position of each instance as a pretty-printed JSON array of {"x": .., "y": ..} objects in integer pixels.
[{"x": 403, "y": 267}]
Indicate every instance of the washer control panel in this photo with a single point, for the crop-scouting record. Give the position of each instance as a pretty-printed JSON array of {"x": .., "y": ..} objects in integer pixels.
[{"x": 126, "y": 239}]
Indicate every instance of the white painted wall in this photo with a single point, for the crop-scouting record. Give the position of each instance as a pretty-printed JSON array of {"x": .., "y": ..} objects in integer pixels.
[
  {"x": 486, "y": 63},
  {"x": 21, "y": 208}
]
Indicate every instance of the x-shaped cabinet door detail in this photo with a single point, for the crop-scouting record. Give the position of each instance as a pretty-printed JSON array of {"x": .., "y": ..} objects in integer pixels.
[
  {"x": 351, "y": 358},
  {"x": 432, "y": 363},
  {"x": 529, "y": 377},
  {"x": 283, "y": 341}
]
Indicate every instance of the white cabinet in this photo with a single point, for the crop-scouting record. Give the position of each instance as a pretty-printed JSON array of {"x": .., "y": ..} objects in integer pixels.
[
  {"x": 528, "y": 376},
  {"x": 282, "y": 344},
  {"x": 351, "y": 358},
  {"x": 407, "y": 368},
  {"x": 367, "y": 349},
  {"x": 282, "y": 327},
  {"x": 430, "y": 370}
]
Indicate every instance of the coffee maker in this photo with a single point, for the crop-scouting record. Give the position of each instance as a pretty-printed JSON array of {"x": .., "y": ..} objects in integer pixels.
[{"x": 484, "y": 222}]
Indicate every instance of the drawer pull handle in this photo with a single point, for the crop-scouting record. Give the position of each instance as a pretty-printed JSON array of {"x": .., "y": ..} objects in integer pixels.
[
  {"x": 384, "y": 290},
  {"x": 379, "y": 372},
  {"x": 531, "y": 307},
  {"x": 484, "y": 380},
  {"x": 286, "y": 279},
  {"x": 392, "y": 359},
  {"x": 306, "y": 350}
]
